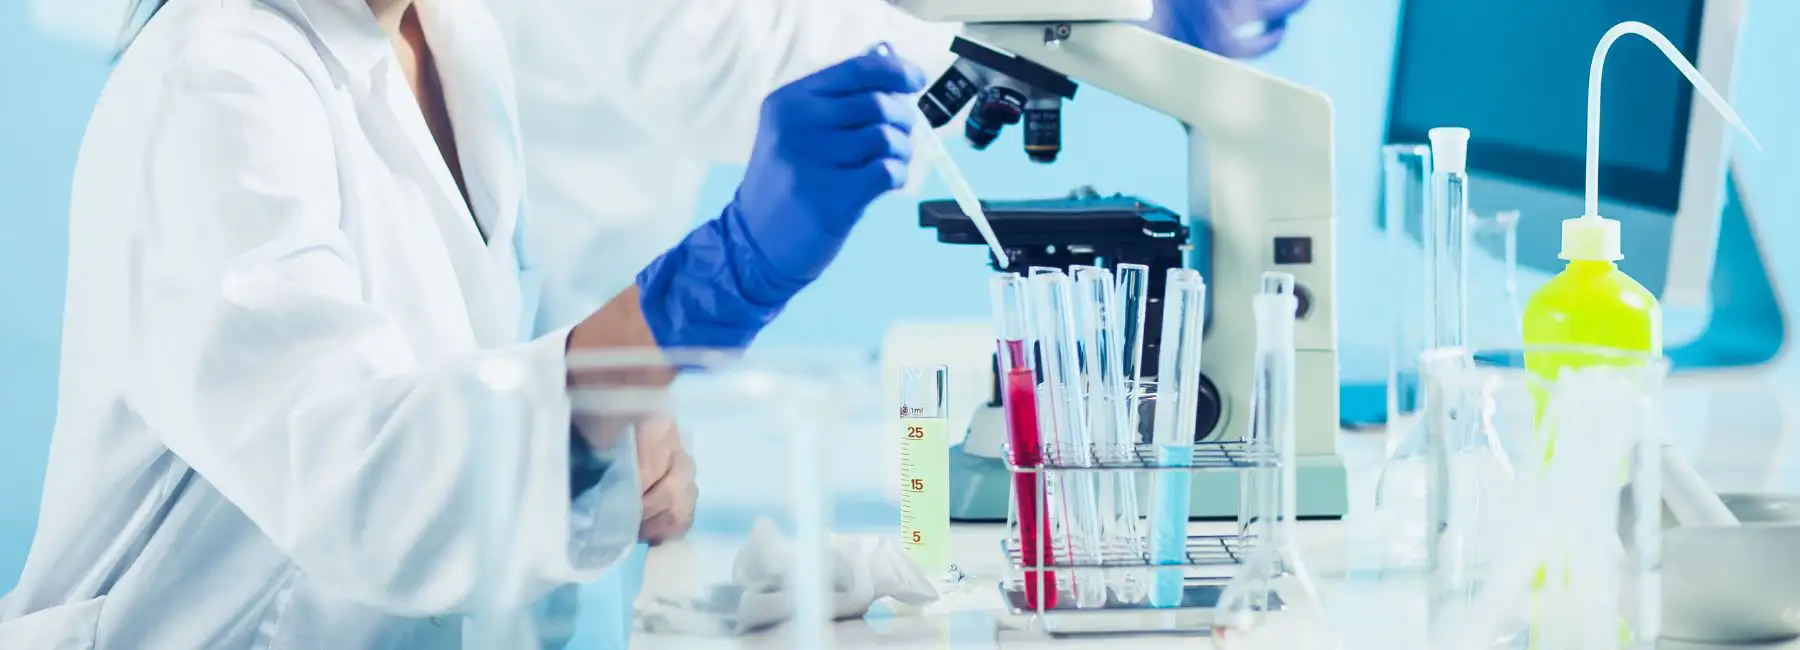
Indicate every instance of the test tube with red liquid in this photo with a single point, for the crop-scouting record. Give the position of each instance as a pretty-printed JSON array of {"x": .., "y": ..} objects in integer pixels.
[{"x": 1018, "y": 374}]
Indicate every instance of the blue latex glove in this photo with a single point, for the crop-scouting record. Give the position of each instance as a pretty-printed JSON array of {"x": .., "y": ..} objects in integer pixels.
[
  {"x": 1233, "y": 28},
  {"x": 828, "y": 145}
]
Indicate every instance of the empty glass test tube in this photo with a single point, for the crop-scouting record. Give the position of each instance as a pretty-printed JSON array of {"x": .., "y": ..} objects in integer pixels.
[
  {"x": 1108, "y": 409},
  {"x": 1018, "y": 377},
  {"x": 1052, "y": 318},
  {"x": 1134, "y": 301},
  {"x": 1177, "y": 403}
]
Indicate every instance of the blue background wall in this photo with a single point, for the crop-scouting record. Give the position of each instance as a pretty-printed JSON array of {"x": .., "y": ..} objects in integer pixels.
[{"x": 1342, "y": 47}]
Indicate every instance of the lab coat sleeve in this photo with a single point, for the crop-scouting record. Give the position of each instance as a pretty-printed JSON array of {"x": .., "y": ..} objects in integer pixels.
[
  {"x": 260, "y": 361},
  {"x": 698, "y": 70}
]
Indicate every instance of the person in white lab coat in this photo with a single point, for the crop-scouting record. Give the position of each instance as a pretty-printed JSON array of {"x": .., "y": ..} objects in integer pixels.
[{"x": 293, "y": 255}]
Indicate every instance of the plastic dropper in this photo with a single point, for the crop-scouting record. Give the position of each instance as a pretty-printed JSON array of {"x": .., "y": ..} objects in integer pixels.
[{"x": 939, "y": 157}]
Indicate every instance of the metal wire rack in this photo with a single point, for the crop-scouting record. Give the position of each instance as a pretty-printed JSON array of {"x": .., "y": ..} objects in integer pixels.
[
  {"x": 1202, "y": 551},
  {"x": 1207, "y": 457}
]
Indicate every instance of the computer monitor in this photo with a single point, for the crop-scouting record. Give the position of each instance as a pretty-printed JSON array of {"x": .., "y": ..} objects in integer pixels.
[{"x": 1516, "y": 73}]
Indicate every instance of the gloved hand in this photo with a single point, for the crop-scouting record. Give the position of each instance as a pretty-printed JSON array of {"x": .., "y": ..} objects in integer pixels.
[
  {"x": 829, "y": 144},
  {"x": 1239, "y": 29}
]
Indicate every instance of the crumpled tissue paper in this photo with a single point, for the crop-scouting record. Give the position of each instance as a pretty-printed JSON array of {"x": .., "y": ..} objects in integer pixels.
[{"x": 864, "y": 569}]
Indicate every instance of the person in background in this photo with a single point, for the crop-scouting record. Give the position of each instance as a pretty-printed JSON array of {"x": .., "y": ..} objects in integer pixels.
[{"x": 295, "y": 252}]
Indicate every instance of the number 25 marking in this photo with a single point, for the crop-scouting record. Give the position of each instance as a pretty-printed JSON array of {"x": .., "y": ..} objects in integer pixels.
[{"x": 915, "y": 433}]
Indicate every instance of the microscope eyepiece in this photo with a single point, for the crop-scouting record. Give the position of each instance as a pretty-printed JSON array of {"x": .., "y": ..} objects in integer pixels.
[{"x": 995, "y": 108}]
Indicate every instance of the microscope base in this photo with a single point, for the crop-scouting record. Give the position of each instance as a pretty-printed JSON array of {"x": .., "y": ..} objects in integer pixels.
[{"x": 980, "y": 488}]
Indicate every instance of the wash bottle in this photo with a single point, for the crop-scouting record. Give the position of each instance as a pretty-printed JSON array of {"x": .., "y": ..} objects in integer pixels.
[{"x": 1591, "y": 303}]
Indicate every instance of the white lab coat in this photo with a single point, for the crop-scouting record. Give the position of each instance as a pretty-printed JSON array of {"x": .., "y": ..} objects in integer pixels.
[
  {"x": 626, "y": 105},
  {"x": 277, "y": 308}
]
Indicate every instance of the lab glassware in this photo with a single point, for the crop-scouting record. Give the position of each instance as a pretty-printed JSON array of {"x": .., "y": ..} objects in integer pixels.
[
  {"x": 1098, "y": 321},
  {"x": 778, "y": 436},
  {"x": 1134, "y": 301},
  {"x": 1496, "y": 306},
  {"x": 1405, "y": 204},
  {"x": 925, "y": 468},
  {"x": 1053, "y": 319},
  {"x": 1025, "y": 447},
  {"x": 1553, "y": 551},
  {"x": 1177, "y": 401},
  {"x": 1272, "y": 602},
  {"x": 1400, "y": 487}
]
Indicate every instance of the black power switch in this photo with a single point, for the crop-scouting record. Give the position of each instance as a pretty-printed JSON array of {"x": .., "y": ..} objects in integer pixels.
[{"x": 1293, "y": 250}]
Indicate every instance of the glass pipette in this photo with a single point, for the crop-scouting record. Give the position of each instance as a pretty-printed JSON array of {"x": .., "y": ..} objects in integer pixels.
[{"x": 939, "y": 157}]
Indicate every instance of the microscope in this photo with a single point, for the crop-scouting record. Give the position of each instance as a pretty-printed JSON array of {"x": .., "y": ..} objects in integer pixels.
[{"x": 1259, "y": 199}]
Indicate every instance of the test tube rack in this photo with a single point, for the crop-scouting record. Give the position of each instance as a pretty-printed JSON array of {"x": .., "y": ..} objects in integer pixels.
[{"x": 1211, "y": 560}]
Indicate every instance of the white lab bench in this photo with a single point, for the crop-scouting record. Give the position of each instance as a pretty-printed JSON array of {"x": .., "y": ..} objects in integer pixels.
[{"x": 1738, "y": 430}]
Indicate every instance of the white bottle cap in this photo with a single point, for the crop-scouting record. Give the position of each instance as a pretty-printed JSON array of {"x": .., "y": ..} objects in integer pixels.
[
  {"x": 1449, "y": 149},
  {"x": 1590, "y": 239}
]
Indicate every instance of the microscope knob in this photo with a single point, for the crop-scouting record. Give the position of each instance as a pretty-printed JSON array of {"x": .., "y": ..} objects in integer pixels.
[
  {"x": 1209, "y": 412},
  {"x": 1302, "y": 301}
]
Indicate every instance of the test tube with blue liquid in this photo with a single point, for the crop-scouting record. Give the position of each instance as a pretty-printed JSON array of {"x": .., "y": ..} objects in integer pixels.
[{"x": 1177, "y": 403}]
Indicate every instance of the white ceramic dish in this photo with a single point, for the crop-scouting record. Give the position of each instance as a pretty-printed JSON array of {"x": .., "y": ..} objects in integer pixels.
[{"x": 1735, "y": 585}]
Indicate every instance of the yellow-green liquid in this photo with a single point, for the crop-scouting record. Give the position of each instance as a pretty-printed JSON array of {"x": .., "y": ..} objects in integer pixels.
[
  {"x": 1588, "y": 305},
  {"x": 1593, "y": 305},
  {"x": 925, "y": 492}
]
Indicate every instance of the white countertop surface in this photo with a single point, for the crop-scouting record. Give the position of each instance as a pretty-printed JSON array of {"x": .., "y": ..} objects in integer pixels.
[{"x": 1737, "y": 430}]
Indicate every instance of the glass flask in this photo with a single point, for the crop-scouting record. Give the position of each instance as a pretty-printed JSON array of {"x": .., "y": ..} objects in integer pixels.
[
  {"x": 1443, "y": 294},
  {"x": 1272, "y": 602},
  {"x": 1561, "y": 550},
  {"x": 782, "y": 444}
]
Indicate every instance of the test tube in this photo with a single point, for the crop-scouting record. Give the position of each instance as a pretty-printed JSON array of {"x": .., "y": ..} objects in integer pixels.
[
  {"x": 1449, "y": 237},
  {"x": 1177, "y": 404},
  {"x": 1272, "y": 419},
  {"x": 1007, "y": 292},
  {"x": 1134, "y": 289},
  {"x": 1109, "y": 422},
  {"x": 1052, "y": 317}
]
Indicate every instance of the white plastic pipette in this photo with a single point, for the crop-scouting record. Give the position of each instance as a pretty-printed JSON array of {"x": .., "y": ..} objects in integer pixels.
[{"x": 939, "y": 157}]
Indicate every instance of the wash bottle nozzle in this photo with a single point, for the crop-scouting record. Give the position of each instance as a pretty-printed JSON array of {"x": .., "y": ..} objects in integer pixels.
[{"x": 1592, "y": 237}]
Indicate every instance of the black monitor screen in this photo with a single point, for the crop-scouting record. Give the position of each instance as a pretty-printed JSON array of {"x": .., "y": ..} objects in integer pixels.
[{"x": 1515, "y": 72}]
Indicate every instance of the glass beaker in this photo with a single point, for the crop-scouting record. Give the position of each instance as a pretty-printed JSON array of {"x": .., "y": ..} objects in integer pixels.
[
  {"x": 1405, "y": 201},
  {"x": 1428, "y": 233},
  {"x": 1559, "y": 547},
  {"x": 790, "y": 526},
  {"x": 1496, "y": 306}
]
